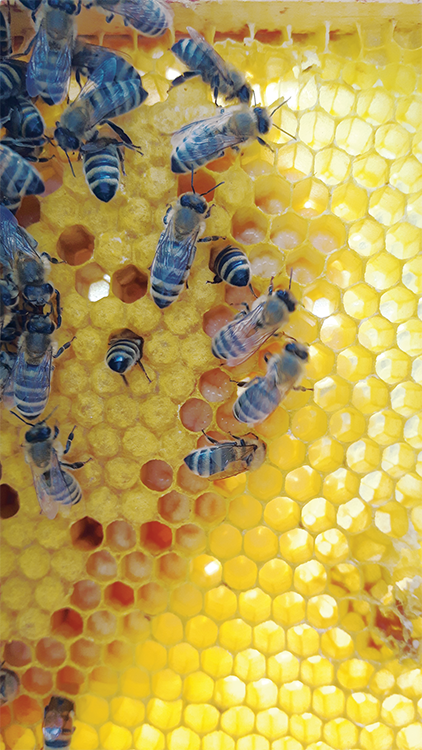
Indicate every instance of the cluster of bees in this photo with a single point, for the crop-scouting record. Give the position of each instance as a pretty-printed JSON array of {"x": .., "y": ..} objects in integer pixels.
[{"x": 29, "y": 302}]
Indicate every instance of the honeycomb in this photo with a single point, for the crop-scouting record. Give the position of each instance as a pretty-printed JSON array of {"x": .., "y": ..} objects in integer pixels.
[{"x": 282, "y": 609}]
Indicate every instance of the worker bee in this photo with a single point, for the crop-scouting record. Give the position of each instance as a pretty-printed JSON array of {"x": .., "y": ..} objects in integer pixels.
[
  {"x": 232, "y": 266},
  {"x": 263, "y": 394},
  {"x": 202, "y": 60},
  {"x": 242, "y": 337},
  {"x": 228, "y": 458},
  {"x": 53, "y": 484},
  {"x": 9, "y": 684},
  {"x": 58, "y": 726},
  {"x": 176, "y": 248},
  {"x": 14, "y": 239},
  {"x": 28, "y": 387},
  {"x": 5, "y": 38},
  {"x": 102, "y": 160},
  {"x": 24, "y": 129},
  {"x": 30, "y": 276},
  {"x": 17, "y": 178},
  {"x": 101, "y": 98},
  {"x": 149, "y": 17},
  {"x": 88, "y": 57},
  {"x": 202, "y": 141},
  {"x": 125, "y": 351},
  {"x": 12, "y": 78},
  {"x": 49, "y": 69}
]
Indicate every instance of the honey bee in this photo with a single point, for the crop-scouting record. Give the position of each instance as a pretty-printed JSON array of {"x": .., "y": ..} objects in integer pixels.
[
  {"x": 14, "y": 239},
  {"x": 28, "y": 387},
  {"x": 202, "y": 60},
  {"x": 17, "y": 178},
  {"x": 149, "y": 17},
  {"x": 203, "y": 141},
  {"x": 232, "y": 266},
  {"x": 262, "y": 395},
  {"x": 24, "y": 129},
  {"x": 9, "y": 684},
  {"x": 58, "y": 726},
  {"x": 242, "y": 337},
  {"x": 101, "y": 98},
  {"x": 12, "y": 79},
  {"x": 30, "y": 276},
  {"x": 5, "y": 38},
  {"x": 53, "y": 484},
  {"x": 176, "y": 248},
  {"x": 49, "y": 69},
  {"x": 124, "y": 352},
  {"x": 88, "y": 57},
  {"x": 228, "y": 458}
]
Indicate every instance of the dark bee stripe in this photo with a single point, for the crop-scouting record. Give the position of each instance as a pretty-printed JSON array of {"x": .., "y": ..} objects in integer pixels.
[
  {"x": 151, "y": 18},
  {"x": 226, "y": 344},
  {"x": 25, "y": 120},
  {"x": 30, "y": 398},
  {"x": 17, "y": 176},
  {"x": 12, "y": 78},
  {"x": 133, "y": 92},
  {"x": 194, "y": 58},
  {"x": 122, "y": 355},
  {"x": 167, "y": 283},
  {"x": 102, "y": 172},
  {"x": 257, "y": 401},
  {"x": 5, "y": 39},
  {"x": 232, "y": 265}
]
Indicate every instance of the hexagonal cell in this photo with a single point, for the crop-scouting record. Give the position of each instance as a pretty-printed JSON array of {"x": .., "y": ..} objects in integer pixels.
[
  {"x": 156, "y": 537},
  {"x": 366, "y": 237},
  {"x": 29, "y": 212},
  {"x": 17, "y": 653},
  {"x": 354, "y": 136},
  {"x": 403, "y": 241},
  {"x": 294, "y": 161},
  {"x": 382, "y": 271},
  {"x": 119, "y": 595},
  {"x": 327, "y": 234},
  {"x": 272, "y": 194},
  {"x": 397, "y": 304},
  {"x": 266, "y": 262},
  {"x": 406, "y": 174},
  {"x": 336, "y": 98},
  {"x": 412, "y": 275},
  {"x": 344, "y": 268},
  {"x": 216, "y": 318},
  {"x": 387, "y": 205},
  {"x": 203, "y": 183},
  {"x": 249, "y": 226},
  {"x": 375, "y": 106},
  {"x": 210, "y": 508},
  {"x": 321, "y": 299},
  {"x": 101, "y": 565},
  {"x": 75, "y": 245},
  {"x": 137, "y": 566},
  {"x": 86, "y": 595},
  {"x": 376, "y": 334},
  {"x": 92, "y": 282},
  {"x": 306, "y": 264},
  {"x": 189, "y": 482},
  {"x": 392, "y": 141},
  {"x": 215, "y": 386},
  {"x": 409, "y": 337},
  {"x": 120, "y": 536},
  {"x": 36, "y": 680},
  {"x": 361, "y": 301},
  {"x": 157, "y": 475},
  {"x": 129, "y": 284},
  {"x": 332, "y": 166},
  {"x": 172, "y": 568},
  {"x": 392, "y": 366},
  {"x": 195, "y": 415},
  {"x": 310, "y": 198},
  {"x": 347, "y": 425},
  {"x": 370, "y": 395},
  {"x": 288, "y": 231},
  {"x": 354, "y": 363},
  {"x": 349, "y": 202},
  {"x": 26, "y": 710},
  {"x": 316, "y": 129},
  {"x": 9, "y": 501},
  {"x": 363, "y": 456},
  {"x": 66, "y": 622},
  {"x": 86, "y": 534},
  {"x": 338, "y": 331},
  {"x": 370, "y": 171},
  {"x": 69, "y": 680}
]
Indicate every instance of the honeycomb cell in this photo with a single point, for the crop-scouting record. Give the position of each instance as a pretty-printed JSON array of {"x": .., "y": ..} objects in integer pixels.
[
  {"x": 409, "y": 337},
  {"x": 386, "y": 205},
  {"x": 294, "y": 161},
  {"x": 66, "y": 622},
  {"x": 36, "y": 680},
  {"x": 354, "y": 516},
  {"x": 332, "y": 166},
  {"x": 288, "y": 231},
  {"x": 349, "y": 202},
  {"x": 392, "y": 141},
  {"x": 310, "y": 578},
  {"x": 294, "y": 697},
  {"x": 260, "y": 544},
  {"x": 310, "y": 198},
  {"x": 155, "y": 537},
  {"x": 272, "y": 194},
  {"x": 322, "y": 611},
  {"x": 268, "y": 637},
  {"x": 18, "y": 654},
  {"x": 406, "y": 174},
  {"x": 321, "y": 299},
  {"x": 240, "y": 573},
  {"x": 215, "y": 386},
  {"x": 249, "y": 226},
  {"x": 366, "y": 237},
  {"x": 406, "y": 398},
  {"x": 210, "y": 508},
  {"x": 174, "y": 507},
  {"x": 289, "y": 609},
  {"x": 397, "y": 710},
  {"x": 296, "y": 546},
  {"x": 275, "y": 576},
  {"x": 190, "y": 539},
  {"x": 9, "y": 501},
  {"x": 370, "y": 395},
  {"x": 86, "y": 534},
  {"x": 354, "y": 363},
  {"x": 225, "y": 541},
  {"x": 370, "y": 171}
]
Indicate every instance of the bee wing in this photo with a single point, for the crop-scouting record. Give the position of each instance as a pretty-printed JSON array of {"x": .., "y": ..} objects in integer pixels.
[
  {"x": 207, "y": 49},
  {"x": 50, "y": 485},
  {"x": 207, "y": 138},
  {"x": 22, "y": 372},
  {"x": 38, "y": 58},
  {"x": 48, "y": 505},
  {"x": 247, "y": 334},
  {"x": 103, "y": 73},
  {"x": 234, "y": 459},
  {"x": 13, "y": 238},
  {"x": 58, "y": 82},
  {"x": 174, "y": 255}
]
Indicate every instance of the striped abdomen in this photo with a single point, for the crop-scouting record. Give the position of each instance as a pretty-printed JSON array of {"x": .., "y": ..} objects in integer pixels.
[
  {"x": 150, "y": 18},
  {"x": 69, "y": 494},
  {"x": 12, "y": 78},
  {"x": 194, "y": 58},
  {"x": 25, "y": 120},
  {"x": 131, "y": 91},
  {"x": 232, "y": 266},
  {"x": 201, "y": 144},
  {"x": 205, "y": 462},
  {"x": 123, "y": 355},
  {"x": 259, "y": 399},
  {"x": 31, "y": 391},
  {"x": 17, "y": 176},
  {"x": 167, "y": 282},
  {"x": 5, "y": 38},
  {"x": 102, "y": 172}
]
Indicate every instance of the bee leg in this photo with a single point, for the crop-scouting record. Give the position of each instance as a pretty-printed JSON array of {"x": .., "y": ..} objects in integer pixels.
[
  {"x": 63, "y": 348},
  {"x": 211, "y": 440},
  {"x": 55, "y": 261},
  {"x": 267, "y": 358},
  {"x": 144, "y": 370},
  {"x": 69, "y": 440},
  {"x": 124, "y": 378},
  {"x": 216, "y": 280},
  {"x": 110, "y": 18},
  {"x": 263, "y": 143},
  {"x": 240, "y": 383},
  {"x": 79, "y": 8},
  {"x": 30, "y": 45},
  {"x": 301, "y": 388},
  {"x": 252, "y": 290},
  {"x": 75, "y": 464},
  {"x": 213, "y": 238},
  {"x": 185, "y": 77}
]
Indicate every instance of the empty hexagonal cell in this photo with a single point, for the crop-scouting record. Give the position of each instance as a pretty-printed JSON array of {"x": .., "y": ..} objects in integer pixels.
[
  {"x": 272, "y": 194},
  {"x": 85, "y": 652},
  {"x": 376, "y": 334},
  {"x": 412, "y": 275},
  {"x": 266, "y": 262},
  {"x": 327, "y": 234},
  {"x": 152, "y": 598},
  {"x": 156, "y": 537},
  {"x": 392, "y": 141},
  {"x": 189, "y": 482},
  {"x": 86, "y": 595},
  {"x": 101, "y": 624},
  {"x": 332, "y": 166},
  {"x": 403, "y": 241},
  {"x": 120, "y": 536},
  {"x": 344, "y": 268},
  {"x": 406, "y": 174},
  {"x": 382, "y": 271},
  {"x": 215, "y": 385},
  {"x": 119, "y": 595},
  {"x": 129, "y": 284},
  {"x": 370, "y": 171},
  {"x": 26, "y": 710},
  {"x": 75, "y": 245},
  {"x": 398, "y": 304},
  {"x": 310, "y": 198},
  {"x": 190, "y": 538},
  {"x": 387, "y": 205},
  {"x": 294, "y": 161},
  {"x": 305, "y": 263},
  {"x": 50, "y": 652},
  {"x": 354, "y": 363},
  {"x": 203, "y": 182},
  {"x": 392, "y": 366},
  {"x": 118, "y": 654},
  {"x": 92, "y": 282},
  {"x": 102, "y": 565},
  {"x": 375, "y": 106},
  {"x": 9, "y": 501},
  {"x": 361, "y": 301},
  {"x": 195, "y": 415},
  {"x": 86, "y": 534},
  {"x": 157, "y": 475},
  {"x": 137, "y": 566},
  {"x": 249, "y": 226},
  {"x": 363, "y": 456},
  {"x": 349, "y": 202},
  {"x": 67, "y": 623},
  {"x": 316, "y": 129},
  {"x": 17, "y": 653},
  {"x": 216, "y": 318},
  {"x": 347, "y": 424},
  {"x": 338, "y": 331},
  {"x": 366, "y": 237},
  {"x": 288, "y": 231}
]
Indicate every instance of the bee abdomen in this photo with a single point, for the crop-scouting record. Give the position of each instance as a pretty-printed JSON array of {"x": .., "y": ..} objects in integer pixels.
[
  {"x": 51, "y": 90},
  {"x": 194, "y": 58},
  {"x": 122, "y": 355},
  {"x": 12, "y": 78},
  {"x": 226, "y": 344},
  {"x": 204, "y": 462},
  {"x": 30, "y": 399},
  {"x": 31, "y": 124},
  {"x": 256, "y": 403},
  {"x": 17, "y": 176},
  {"x": 153, "y": 19},
  {"x": 232, "y": 265},
  {"x": 70, "y": 493},
  {"x": 102, "y": 172}
]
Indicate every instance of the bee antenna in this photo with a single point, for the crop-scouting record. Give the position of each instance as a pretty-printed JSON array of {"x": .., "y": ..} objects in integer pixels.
[
  {"x": 291, "y": 276},
  {"x": 278, "y": 106},
  {"x": 50, "y": 415},
  {"x": 281, "y": 130},
  {"x": 70, "y": 163},
  {"x": 191, "y": 181},
  {"x": 21, "y": 419},
  {"x": 213, "y": 188}
]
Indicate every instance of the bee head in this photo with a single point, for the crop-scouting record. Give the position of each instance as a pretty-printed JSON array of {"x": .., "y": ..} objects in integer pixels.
[
  {"x": 263, "y": 119},
  {"x": 194, "y": 201},
  {"x": 298, "y": 349},
  {"x": 287, "y": 297},
  {"x": 38, "y": 433},
  {"x": 65, "y": 139},
  {"x": 40, "y": 324}
]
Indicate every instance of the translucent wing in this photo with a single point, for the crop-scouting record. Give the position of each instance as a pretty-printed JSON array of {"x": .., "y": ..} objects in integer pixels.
[
  {"x": 173, "y": 256},
  {"x": 234, "y": 459},
  {"x": 246, "y": 335},
  {"x": 103, "y": 73},
  {"x": 14, "y": 239},
  {"x": 216, "y": 123},
  {"x": 38, "y": 60},
  {"x": 37, "y": 376},
  {"x": 207, "y": 139},
  {"x": 208, "y": 50},
  {"x": 49, "y": 65},
  {"x": 51, "y": 485},
  {"x": 48, "y": 505},
  {"x": 58, "y": 84}
]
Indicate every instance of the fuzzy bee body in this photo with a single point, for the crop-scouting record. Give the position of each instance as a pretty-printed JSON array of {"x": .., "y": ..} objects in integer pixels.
[
  {"x": 102, "y": 161},
  {"x": 9, "y": 685},
  {"x": 24, "y": 120},
  {"x": 14, "y": 240},
  {"x": 5, "y": 38},
  {"x": 12, "y": 79},
  {"x": 203, "y": 60},
  {"x": 7, "y": 361},
  {"x": 176, "y": 248},
  {"x": 232, "y": 266},
  {"x": 149, "y": 17},
  {"x": 242, "y": 337},
  {"x": 17, "y": 178},
  {"x": 202, "y": 141},
  {"x": 58, "y": 723},
  {"x": 263, "y": 394},
  {"x": 48, "y": 72},
  {"x": 88, "y": 57},
  {"x": 227, "y": 459},
  {"x": 124, "y": 352}
]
